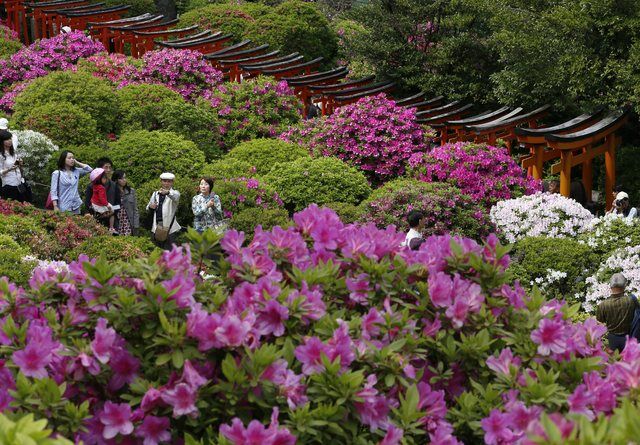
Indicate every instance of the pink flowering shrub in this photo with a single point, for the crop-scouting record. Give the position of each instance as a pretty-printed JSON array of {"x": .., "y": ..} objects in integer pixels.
[
  {"x": 238, "y": 194},
  {"x": 116, "y": 68},
  {"x": 374, "y": 135},
  {"x": 487, "y": 174},
  {"x": 445, "y": 208},
  {"x": 255, "y": 108},
  {"x": 321, "y": 332},
  {"x": 57, "y": 53},
  {"x": 184, "y": 71}
]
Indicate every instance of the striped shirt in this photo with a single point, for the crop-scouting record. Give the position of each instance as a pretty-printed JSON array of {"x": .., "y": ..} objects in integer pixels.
[{"x": 617, "y": 313}]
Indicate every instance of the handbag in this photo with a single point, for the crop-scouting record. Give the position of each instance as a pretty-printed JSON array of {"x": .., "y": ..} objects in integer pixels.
[
  {"x": 162, "y": 232},
  {"x": 49, "y": 204}
]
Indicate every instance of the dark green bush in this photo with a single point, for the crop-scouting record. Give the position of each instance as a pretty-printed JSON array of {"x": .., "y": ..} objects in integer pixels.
[
  {"x": 297, "y": 26},
  {"x": 141, "y": 105},
  {"x": 12, "y": 265},
  {"x": 187, "y": 188},
  {"x": 64, "y": 123},
  {"x": 229, "y": 18},
  {"x": 265, "y": 153},
  {"x": 247, "y": 220},
  {"x": 113, "y": 248},
  {"x": 322, "y": 180},
  {"x": 348, "y": 213},
  {"x": 138, "y": 7},
  {"x": 227, "y": 168},
  {"x": 9, "y": 47},
  {"x": 446, "y": 209},
  {"x": 534, "y": 258},
  {"x": 93, "y": 95},
  {"x": 144, "y": 155}
]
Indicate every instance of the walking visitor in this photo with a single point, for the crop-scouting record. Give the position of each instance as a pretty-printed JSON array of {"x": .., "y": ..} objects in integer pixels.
[
  {"x": 13, "y": 183},
  {"x": 164, "y": 203},
  {"x": 64, "y": 183}
]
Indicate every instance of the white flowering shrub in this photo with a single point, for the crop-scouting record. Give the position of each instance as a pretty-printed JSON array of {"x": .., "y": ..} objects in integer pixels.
[
  {"x": 36, "y": 150},
  {"x": 625, "y": 260},
  {"x": 611, "y": 232},
  {"x": 542, "y": 214}
]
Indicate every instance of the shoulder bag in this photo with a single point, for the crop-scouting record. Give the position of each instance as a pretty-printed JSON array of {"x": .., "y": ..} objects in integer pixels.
[{"x": 49, "y": 204}]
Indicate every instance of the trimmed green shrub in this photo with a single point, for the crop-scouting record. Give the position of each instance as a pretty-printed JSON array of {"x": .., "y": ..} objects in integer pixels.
[
  {"x": 558, "y": 266},
  {"x": 607, "y": 234},
  {"x": 297, "y": 26},
  {"x": 198, "y": 123},
  {"x": 227, "y": 168},
  {"x": 140, "y": 106},
  {"x": 138, "y": 7},
  {"x": 322, "y": 180},
  {"x": 187, "y": 187},
  {"x": 446, "y": 209},
  {"x": 9, "y": 47},
  {"x": 348, "y": 213},
  {"x": 260, "y": 107},
  {"x": 229, "y": 18},
  {"x": 237, "y": 194},
  {"x": 12, "y": 265},
  {"x": 247, "y": 220},
  {"x": 144, "y": 155},
  {"x": 265, "y": 153},
  {"x": 64, "y": 123},
  {"x": 119, "y": 248},
  {"x": 93, "y": 95}
]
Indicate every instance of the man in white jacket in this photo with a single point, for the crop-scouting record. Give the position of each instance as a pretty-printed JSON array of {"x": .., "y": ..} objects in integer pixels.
[{"x": 164, "y": 203}]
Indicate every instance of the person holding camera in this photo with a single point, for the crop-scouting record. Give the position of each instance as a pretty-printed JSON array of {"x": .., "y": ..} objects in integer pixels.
[
  {"x": 13, "y": 186},
  {"x": 164, "y": 203},
  {"x": 621, "y": 206}
]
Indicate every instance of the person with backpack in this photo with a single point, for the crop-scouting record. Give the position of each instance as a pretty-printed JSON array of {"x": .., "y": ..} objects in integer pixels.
[{"x": 620, "y": 313}]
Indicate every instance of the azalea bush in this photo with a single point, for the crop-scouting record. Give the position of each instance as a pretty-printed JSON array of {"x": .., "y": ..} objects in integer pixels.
[
  {"x": 238, "y": 194},
  {"x": 445, "y": 208},
  {"x": 227, "y": 168},
  {"x": 255, "y": 108},
  {"x": 542, "y": 214},
  {"x": 60, "y": 52},
  {"x": 118, "y": 69},
  {"x": 184, "y": 71},
  {"x": 317, "y": 180},
  {"x": 230, "y": 18},
  {"x": 9, "y": 42},
  {"x": 93, "y": 95},
  {"x": 145, "y": 155},
  {"x": 64, "y": 123},
  {"x": 558, "y": 266},
  {"x": 249, "y": 219},
  {"x": 374, "y": 135},
  {"x": 487, "y": 174},
  {"x": 625, "y": 260},
  {"x": 36, "y": 151},
  {"x": 15, "y": 261},
  {"x": 610, "y": 232},
  {"x": 140, "y": 105},
  {"x": 263, "y": 153},
  {"x": 120, "y": 248},
  {"x": 318, "y": 332}
]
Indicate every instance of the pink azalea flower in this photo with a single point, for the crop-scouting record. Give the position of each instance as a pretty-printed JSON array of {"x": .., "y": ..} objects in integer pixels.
[
  {"x": 502, "y": 364},
  {"x": 393, "y": 437},
  {"x": 310, "y": 355},
  {"x": 116, "y": 418},
  {"x": 182, "y": 398},
  {"x": 550, "y": 336},
  {"x": 271, "y": 318},
  {"x": 154, "y": 430},
  {"x": 496, "y": 431},
  {"x": 37, "y": 354},
  {"x": 103, "y": 341},
  {"x": 440, "y": 288}
]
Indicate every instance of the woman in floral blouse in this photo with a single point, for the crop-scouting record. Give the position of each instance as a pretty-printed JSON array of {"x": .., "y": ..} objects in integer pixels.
[{"x": 207, "y": 209}]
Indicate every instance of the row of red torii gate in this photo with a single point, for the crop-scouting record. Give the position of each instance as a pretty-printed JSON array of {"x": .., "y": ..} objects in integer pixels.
[{"x": 574, "y": 143}]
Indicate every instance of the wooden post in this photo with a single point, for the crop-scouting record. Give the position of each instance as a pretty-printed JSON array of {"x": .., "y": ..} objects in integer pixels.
[
  {"x": 610, "y": 169},
  {"x": 538, "y": 154},
  {"x": 587, "y": 177},
  {"x": 566, "y": 159}
]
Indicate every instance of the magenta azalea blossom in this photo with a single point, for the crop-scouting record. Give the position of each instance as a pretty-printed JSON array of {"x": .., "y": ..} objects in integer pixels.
[
  {"x": 550, "y": 337},
  {"x": 154, "y": 430},
  {"x": 103, "y": 341},
  {"x": 182, "y": 398},
  {"x": 37, "y": 354},
  {"x": 502, "y": 364},
  {"x": 116, "y": 418}
]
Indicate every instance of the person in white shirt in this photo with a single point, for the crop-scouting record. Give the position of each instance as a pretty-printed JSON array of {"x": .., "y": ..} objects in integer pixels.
[
  {"x": 621, "y": 206},
  {"x": 11, "y": 170},
  {"x": 164, "y": 203},
  {"x": 4, "y": 125},
  {"x": 415, "y": 218}
]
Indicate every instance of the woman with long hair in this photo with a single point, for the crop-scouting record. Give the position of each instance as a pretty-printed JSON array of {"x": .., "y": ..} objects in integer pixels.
[
  {"x": 64, "y": 183},
  {"x": 128, "y": 215},
  {"x": 11, "y": 170}
]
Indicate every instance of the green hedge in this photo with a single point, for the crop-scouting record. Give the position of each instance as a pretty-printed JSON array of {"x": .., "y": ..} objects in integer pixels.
[
  {"x": 140, "y": 106},
  {"x": 322, "y": 180},
  {"x": 144, "y": 155},
  {"x": 263, "y": 154},
  {"x": 113, "y": 248},
  {"x": 93, "y": 95},
  {"x": 227, "y": 168},
  {"x": 348, "y": 213},
  {"x": 248, "y": 219},
  {"x": 12, "y": 265},
  {"x": 229, "y": 18},
  {"x": 9, "y": 47},
  {"x": 64, "y": 123},
  {"x": 533, "y": 257}
]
